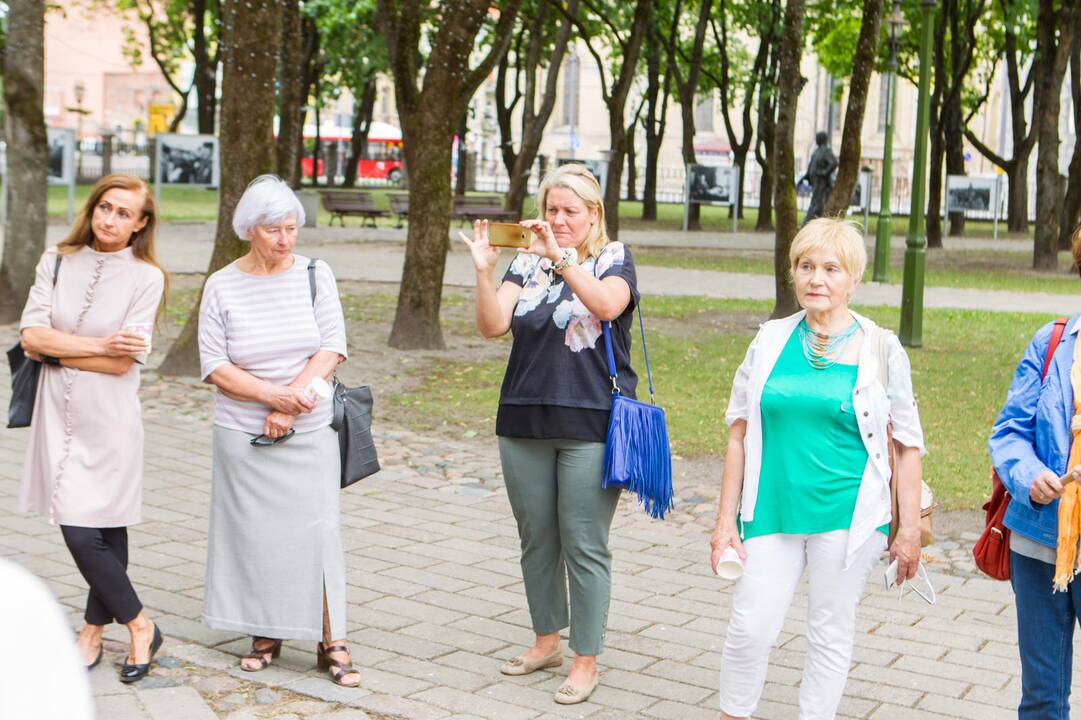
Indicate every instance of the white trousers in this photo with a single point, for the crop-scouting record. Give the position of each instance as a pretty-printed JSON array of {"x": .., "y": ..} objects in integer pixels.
[{"x": 759, "y": 605}]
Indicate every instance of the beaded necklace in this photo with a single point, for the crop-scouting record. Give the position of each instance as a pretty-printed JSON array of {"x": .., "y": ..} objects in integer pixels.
[{"x": 823, "y": 350}]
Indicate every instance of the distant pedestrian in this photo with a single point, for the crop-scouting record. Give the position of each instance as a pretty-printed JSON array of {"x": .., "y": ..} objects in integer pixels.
[
  {"x": 275, "y": 567},
  {"x": 807, "y": 476},
  {"x": 90, "y": 317},
  {"x": 553, "y": 411},
  {"x": 1035, "y": 442}
]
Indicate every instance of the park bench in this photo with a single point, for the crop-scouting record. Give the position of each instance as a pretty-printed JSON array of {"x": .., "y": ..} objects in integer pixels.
[
  {"x": 481, "y": 207},
  {"x": 340, "y": 204},
  {"x": 399, "y": 205}
]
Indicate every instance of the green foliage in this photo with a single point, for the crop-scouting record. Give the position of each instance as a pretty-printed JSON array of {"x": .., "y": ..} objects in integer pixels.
[
  {"x": 169, "y": 25},
  {"x": 352, "y": 49},
  {"x": 834, "y": 29}
]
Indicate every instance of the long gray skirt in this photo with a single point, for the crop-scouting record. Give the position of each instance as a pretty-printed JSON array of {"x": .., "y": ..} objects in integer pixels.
[{"x": 275, "y": 539}]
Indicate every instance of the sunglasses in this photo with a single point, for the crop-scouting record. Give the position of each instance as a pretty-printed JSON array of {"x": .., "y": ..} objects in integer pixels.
[
  {"x": 264, "y": 441},
  {"x": 920, "y": 583}
]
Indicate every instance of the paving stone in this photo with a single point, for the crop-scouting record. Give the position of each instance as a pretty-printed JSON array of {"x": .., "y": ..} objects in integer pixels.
[
  {"x": 462, "y": 702},
  {"x": 266, "y": 696},
  {"x": 341, "y": 715},
  {"x": 181, "y": 703},
  {"x": 120, "y": 707},
  {"x": 324, "y": 689}
]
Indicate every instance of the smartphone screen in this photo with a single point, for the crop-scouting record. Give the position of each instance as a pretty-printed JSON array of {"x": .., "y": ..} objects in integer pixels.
[{"x": 511, "y": 235}]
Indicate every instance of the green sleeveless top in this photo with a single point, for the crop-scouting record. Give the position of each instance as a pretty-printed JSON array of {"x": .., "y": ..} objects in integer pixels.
[{"x": 813, "y": 457}]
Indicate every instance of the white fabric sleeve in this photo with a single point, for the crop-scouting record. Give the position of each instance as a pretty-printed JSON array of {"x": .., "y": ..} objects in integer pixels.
[
  {"x": 328, "y": 311},
  {"x": 213, "y": 340},
  {"x": 737, "y": 401},
  {"x": 904, "y": 413}
]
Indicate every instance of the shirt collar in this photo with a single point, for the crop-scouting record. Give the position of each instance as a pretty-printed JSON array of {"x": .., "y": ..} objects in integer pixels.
[{"x": 1075, "y": 325}]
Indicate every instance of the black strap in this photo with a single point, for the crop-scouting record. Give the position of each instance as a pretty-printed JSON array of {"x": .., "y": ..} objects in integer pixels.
[
  {"x": 56, "y": 268},
  {"x": 311, "y": 277}
]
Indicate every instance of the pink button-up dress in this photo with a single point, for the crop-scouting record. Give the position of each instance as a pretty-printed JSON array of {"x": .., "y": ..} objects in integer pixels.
[{"x": 84, "y": 459}]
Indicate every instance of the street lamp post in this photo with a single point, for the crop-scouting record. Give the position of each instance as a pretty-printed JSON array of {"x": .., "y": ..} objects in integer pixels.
[
  {"x": 916, "y": 242},
  {"x": 885, "y": 214}
]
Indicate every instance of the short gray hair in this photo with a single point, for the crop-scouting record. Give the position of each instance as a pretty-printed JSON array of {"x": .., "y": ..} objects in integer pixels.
[{"x": 268, "y": 200}]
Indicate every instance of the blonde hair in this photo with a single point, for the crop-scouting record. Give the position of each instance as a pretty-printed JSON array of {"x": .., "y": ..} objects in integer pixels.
[
  {"x": 578, "y": 179},
  {"x": 142, "y": 242},
  {"x": 841, "y": 236},
  {"x": 1075, "y": 245}
]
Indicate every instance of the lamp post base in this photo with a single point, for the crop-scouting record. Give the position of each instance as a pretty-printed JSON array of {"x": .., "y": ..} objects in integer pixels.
[
  {"x": 882, "y": 248},
  {"x": 911, "y": 334}
]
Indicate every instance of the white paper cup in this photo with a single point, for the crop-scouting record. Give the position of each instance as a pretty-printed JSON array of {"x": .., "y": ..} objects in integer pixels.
[
  {"x": 729, "y": 567},
  {"x": 144, "y": 330},
  {"x": 318, "y": 387}
]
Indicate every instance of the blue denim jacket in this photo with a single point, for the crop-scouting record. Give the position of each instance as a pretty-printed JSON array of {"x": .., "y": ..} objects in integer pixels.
[{"x": 1032, "y": 433}]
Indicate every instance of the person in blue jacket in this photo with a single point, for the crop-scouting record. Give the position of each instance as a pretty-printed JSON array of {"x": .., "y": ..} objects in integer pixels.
[{"x": 1030, "y": 447}]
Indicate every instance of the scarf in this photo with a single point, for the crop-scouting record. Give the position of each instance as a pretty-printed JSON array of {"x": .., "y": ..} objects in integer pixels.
[{"x": 1069, "y": 506}]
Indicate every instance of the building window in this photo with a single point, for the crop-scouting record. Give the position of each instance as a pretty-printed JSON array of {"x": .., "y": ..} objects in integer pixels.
[
  {"x": 883, "y": 101},
  {"x": 703, "y": 114},
  {"x": 570, "y": 91}
]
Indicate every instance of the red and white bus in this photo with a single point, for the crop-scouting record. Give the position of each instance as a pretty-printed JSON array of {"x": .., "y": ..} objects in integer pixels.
[{"x": 383, "y": 160}]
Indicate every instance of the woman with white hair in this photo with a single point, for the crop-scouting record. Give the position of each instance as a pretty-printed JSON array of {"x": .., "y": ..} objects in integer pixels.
[
  {"x": 806, "y": 481},
  {"x": 275, "y": 567},
  {"x": 553, "y": 412}
]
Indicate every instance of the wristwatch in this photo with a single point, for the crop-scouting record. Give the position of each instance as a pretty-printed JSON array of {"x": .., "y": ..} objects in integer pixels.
[{"x": 568, "y": 258}]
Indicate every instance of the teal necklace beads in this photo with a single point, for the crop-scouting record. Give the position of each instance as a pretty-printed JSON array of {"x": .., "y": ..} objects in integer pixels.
[{"x": 822, "y": 350}]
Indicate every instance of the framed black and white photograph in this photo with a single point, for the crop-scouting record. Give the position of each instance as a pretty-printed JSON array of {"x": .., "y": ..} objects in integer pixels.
[
  {"x": 187, "y": 159},
  {"x": 61, "y": 143},
  {"x": 599, "y": 168},
  {"x": 711, "y": 184},
  {"x": 965, "y": 193}
]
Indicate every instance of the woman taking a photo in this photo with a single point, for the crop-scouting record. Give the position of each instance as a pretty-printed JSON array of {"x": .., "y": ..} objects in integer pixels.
[
  {"x": 1033, "y": 443},
  {"x": 275, "y": 567},
  {"x": 89, "y": 318},
  {"x": 553, "y": 411},
  {"x": 806, "y": 479}
]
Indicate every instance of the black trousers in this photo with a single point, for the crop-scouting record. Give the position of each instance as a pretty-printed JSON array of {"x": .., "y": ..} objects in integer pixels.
[{"x": 101, "y": 554}]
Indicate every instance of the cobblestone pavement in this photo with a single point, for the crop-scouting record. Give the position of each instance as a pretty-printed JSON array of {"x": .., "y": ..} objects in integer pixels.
[
  {"x": 436, "y": 603},
  {"x": 375, "y": 255}
]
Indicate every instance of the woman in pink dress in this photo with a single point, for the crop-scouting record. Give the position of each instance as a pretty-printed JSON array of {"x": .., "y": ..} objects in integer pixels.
[{"x": 89, "y": 318}]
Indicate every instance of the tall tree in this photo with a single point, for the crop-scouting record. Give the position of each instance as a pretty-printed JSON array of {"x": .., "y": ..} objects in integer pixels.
[
  {"x": 429, "y": 111},
  {"x": 1071, "y": 204},
  {"x": 784, "y": 195},
  {"x": 251, "y": 31},
  {"x": 1018, "y": 24},
  {"x": 542, "y": 40},
  {"x": 1056, "y": 26},
  {"x": 686, "y": 71},
  {"x": 658, "y": 87},
  {"x": 863, "y": 63},
  {"x": 27, "y": 153},
  {"x": 624, "y": 32},
  {"x": 293, "y": 55},
  {"x": 767, "y": 121}
]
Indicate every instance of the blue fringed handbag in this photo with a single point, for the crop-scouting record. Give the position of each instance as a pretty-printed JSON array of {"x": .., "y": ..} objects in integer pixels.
[{"x": 637, "y": 455}]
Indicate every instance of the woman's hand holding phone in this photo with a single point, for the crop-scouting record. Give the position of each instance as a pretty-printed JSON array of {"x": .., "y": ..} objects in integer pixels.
[{"x": 484, "y": 255}]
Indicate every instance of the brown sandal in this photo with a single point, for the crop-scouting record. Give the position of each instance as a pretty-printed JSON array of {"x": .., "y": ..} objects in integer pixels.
[
  {"x": 257, "y": 653},
  {"x": 337, "y": 668}
]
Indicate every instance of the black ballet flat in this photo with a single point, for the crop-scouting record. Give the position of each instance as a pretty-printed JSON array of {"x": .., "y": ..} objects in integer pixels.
[
  {"x": 92, "y": 665},
  {"x": 130, "y": 673}
]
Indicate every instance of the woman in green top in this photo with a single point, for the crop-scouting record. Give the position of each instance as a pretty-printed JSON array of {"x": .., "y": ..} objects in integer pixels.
[{"x": 806, "y": 474}]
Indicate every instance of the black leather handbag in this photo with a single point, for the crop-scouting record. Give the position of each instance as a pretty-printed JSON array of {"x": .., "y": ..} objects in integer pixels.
[
  {"x": 24, "y": 379},
  {"x": 352, "y": 421}
]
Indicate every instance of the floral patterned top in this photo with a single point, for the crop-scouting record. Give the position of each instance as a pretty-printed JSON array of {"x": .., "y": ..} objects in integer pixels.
[{"x": 556, "y": 384}]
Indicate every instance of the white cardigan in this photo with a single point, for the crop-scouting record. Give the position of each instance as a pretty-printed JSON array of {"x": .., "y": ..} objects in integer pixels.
[{"x": 875, "y": 407}]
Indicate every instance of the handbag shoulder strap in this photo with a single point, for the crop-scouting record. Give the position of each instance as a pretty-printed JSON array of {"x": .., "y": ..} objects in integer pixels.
[
  {"x": 1056, "y": 337},
  {"x": 56, "y": 268},
  {"x": 606, "y": 329},
  {"x": 311, "y": 278}
]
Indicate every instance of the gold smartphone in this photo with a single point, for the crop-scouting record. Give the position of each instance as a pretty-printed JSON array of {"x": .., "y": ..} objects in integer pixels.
[{"x": 510, "y": 235}]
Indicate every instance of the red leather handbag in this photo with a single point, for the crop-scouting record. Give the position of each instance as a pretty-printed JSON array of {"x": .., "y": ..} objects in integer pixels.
[{"x": 992, "y": 550}]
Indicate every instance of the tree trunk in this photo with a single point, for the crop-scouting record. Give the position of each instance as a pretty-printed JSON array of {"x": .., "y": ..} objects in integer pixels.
[
  {"x": 654, "y": 124},
  {"x": 687, "y": 92},
  {"x": 1046, "y": 107},
  {"x": 291, "y": 95},
  {"x": 955, "y": 154},
  {"x": 1017, "y": 194},
  {"x": 27, "y": 154},
  {"x": 1071, "y": 204},
  {"x": 251, "y": 31},
  {"x": 767, "y": 122},
  {"x": 789, "y": 87},
  {"x": 632, "y": 165},
  {"x": 362, "y": 123},
  {"x": 461, "y": 178},
  {"x": 934, "y": 191},
  {"x": 617, "y": 103},
  {"x": 206, "y": 66},
  {"x": 863, "y": 63}
]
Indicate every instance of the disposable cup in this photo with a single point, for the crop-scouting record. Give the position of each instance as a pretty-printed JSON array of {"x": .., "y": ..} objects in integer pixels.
[
  {"x": 318, "y": 387},
  {"x": 144, "y": 330},
  {"x": 729, "y": 567}
]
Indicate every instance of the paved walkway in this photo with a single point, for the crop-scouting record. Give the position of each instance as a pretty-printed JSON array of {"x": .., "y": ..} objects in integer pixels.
[
  {"x": 436, "y": 603},
  {"x": 376, "y": 255}
]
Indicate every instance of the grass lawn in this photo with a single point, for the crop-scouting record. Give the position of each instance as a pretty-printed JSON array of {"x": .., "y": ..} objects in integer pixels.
[
  {"x": 200, "y": 204},
  {"x": 696, "y": 344},
  {"x": 982, "y": 269}
]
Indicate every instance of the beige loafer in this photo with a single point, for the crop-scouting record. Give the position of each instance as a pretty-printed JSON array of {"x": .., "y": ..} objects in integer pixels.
[
  {"x": 567, "y": 694},
  {"x": 524, "y": 666}
]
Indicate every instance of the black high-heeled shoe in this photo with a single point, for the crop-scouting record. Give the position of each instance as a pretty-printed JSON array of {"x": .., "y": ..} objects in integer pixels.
[
  {"x": 92, "y": 665},
  {"x": 131, "y": 672}
]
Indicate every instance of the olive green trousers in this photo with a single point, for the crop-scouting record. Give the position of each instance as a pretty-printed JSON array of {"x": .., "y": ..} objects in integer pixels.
[{"x": 564, "y": 516}]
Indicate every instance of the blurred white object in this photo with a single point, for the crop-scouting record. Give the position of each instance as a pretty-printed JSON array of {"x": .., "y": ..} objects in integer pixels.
[{"x": 41, "y": 676}]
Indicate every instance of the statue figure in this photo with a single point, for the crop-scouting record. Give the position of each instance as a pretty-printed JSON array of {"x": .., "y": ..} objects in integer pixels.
[{"x": 820, "y": 175}]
